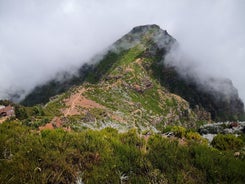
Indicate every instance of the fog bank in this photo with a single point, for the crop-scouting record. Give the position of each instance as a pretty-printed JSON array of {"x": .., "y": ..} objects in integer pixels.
[{"x": 40, "y": 38}]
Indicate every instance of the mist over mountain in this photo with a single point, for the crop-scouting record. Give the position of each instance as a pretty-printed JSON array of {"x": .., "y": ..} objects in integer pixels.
[
  {"x": 146, "y": 54},
  {"x": 40, "y": 39},
  {"x": 140, "y": 111}
]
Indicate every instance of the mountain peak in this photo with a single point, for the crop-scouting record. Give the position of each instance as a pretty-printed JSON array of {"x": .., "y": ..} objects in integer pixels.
[
  {"x": 147, "y": 36},
  {"x": 143, "y": 28}
]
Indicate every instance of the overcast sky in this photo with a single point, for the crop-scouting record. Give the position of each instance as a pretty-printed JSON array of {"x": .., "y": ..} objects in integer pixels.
[{"x": 40, "y": 38}]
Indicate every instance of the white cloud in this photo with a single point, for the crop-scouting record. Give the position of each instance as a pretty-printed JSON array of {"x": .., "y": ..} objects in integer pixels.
[{"x": 40, "y": 38}]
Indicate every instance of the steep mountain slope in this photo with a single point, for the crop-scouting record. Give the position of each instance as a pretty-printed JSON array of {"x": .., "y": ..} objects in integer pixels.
[
  {"x": 131, "y": 87},
  {"x": 132, "y": 91}
]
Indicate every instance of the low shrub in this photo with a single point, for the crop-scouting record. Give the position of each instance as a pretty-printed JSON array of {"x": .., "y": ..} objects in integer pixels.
[{"x": 227, "y": 142}]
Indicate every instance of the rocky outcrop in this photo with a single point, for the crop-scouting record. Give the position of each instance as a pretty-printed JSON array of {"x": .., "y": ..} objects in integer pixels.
[{"x": 223, "y": 128}]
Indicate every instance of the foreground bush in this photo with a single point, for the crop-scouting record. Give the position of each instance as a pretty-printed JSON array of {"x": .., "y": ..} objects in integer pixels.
[
  {"x": 227, "y": 142},
  {"x": 106, "y": 156}
]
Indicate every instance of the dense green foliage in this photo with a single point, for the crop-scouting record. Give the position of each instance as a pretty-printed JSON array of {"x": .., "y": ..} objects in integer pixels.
[
  {"x": 106, "y": 156},
  {"x": 227, "y": 142}
]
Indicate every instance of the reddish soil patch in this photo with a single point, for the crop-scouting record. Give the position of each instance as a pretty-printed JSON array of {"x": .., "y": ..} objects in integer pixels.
[
  {"x": 55, "y": 123},
  {"x": 3, "y": 119},
  {"x": 77, "y": 101},
  {"x": 139, "y": 61},
  {"x": 118, "y": 118},
  {"x": 129, "y": 70},
  {"x": 48, "y": 126}
]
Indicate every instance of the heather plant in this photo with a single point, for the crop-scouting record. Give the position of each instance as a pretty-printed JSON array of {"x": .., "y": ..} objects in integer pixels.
[
  {"x": 107, "y": 156},
  {"x": 227, "y": 142}
]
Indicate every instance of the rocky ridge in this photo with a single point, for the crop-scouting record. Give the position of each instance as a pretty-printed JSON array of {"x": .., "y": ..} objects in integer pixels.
[{"x": 132, "y": 88}]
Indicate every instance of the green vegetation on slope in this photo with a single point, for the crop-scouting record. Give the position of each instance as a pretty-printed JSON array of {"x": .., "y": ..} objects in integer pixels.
[
  {"x": 148, "y": 45},
  {"x": 128, "y": 88}
]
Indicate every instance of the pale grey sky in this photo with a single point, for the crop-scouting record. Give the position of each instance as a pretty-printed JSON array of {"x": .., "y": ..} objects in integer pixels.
[{"x": 40, "y": 38}]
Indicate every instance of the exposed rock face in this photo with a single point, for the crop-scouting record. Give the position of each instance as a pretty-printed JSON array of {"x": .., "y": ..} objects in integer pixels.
[{"x": 223, "y": 128}]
